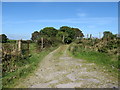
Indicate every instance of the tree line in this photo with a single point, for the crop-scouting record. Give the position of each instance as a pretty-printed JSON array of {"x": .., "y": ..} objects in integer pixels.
[
  {"x": 64, "y": 35},
  {"x": 52, "y": 36}
]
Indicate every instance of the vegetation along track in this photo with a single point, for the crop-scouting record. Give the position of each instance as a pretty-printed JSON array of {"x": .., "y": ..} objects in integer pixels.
[{"x": 59, "y": 70}]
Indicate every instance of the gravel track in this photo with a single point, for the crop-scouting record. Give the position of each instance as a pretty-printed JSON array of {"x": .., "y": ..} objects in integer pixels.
[{"x": 59, "y": 70}]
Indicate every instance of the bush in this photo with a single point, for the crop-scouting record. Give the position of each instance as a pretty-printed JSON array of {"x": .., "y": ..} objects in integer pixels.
[
  {"x": 103, "y": 50},
  {"x": 99, "y": 58},
  {"x": 3, "y": 38}
]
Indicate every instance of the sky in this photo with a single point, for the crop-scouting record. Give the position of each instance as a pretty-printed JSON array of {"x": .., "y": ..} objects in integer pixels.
[{"x": 21, "y": 19}]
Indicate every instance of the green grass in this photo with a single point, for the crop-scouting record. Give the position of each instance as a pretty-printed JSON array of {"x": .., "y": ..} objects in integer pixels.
[
  {"x": 109, "y": 62},
  {"x": 27, "y": 67},
  {"x": 11, "y": 41}
]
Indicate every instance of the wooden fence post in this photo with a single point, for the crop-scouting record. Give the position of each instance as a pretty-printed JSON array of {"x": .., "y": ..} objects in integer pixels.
[
  {"x": 63, "y": 39},
  {"x": 41, "y": 42},
  {"x": 100, "y": 35},
  {"x": 90, "y": 36},
  {"x": 87, "y": 36},
  {"x": 19, "y": 46},
  {"x": 28, "y": 48}
]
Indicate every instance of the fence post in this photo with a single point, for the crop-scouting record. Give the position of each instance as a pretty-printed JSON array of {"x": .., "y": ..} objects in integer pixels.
[
  {"x": 87, "y": 36},
  {"x": 28, "y": 48},
  {"x": 41, "y": 42},
  {"x": 90, "y": 36},
  {"x": 100, "y": 35},
  {"x": 19, "y": 46}
]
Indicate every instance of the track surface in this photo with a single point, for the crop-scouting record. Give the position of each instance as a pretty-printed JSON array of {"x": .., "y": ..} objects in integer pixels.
[{"x": 59, "y": 70}]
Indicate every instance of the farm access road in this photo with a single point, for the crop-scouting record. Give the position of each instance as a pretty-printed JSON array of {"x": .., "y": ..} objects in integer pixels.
[{"x": 59, "y": 70}]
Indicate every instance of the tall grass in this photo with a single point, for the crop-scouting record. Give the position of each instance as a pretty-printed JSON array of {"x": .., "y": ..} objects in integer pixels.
[{"x": 27, "y": 67}]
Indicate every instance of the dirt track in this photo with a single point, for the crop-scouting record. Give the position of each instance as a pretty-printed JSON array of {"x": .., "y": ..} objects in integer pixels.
[{"x": 59, "y": 70}]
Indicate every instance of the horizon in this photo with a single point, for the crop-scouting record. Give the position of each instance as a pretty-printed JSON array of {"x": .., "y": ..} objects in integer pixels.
[{"x": 21, "y": 19}]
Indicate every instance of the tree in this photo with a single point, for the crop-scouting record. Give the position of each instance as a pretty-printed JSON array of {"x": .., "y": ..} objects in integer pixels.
[
  {"x": 70, "y": 33},
  {"x": 49, "y": 31},
  {"x": 108, "y": 35},
  {"x": 62, "y": 35},
  {"x": 35, "y": 36},
  {"x": 78, "y": 33},
  {"x": 3, "y": 38},
  {"x": 49, "y": 36}
]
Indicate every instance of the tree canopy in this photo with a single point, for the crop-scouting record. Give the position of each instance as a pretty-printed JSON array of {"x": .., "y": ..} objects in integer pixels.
[
  {"x": 72, "y": 33},
  {"x": 49, "y": 31},
  {"x": 78, "y": 32},
  {"x": 64, "y": 34},
  {"x": 3, "y": 38},
  {"x": 108, "y": 34},
  {"x": 35, "y": 35}
]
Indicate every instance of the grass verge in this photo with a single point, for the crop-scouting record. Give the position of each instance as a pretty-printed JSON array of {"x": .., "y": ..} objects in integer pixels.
[
  {"x": 27, "y": 67},
  {"x": 107, "y": 62}
]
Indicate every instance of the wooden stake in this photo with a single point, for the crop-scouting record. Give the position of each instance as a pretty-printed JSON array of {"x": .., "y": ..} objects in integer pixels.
[{"x": 41, "y": 42}]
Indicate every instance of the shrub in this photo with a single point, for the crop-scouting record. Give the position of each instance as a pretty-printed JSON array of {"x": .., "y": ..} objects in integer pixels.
[{"x": 103, "y": 50}]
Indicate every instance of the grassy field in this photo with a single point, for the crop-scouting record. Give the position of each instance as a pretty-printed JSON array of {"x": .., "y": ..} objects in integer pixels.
[
  {"x": 27, "y": 67},
  {"x": 104, "y": 60}
]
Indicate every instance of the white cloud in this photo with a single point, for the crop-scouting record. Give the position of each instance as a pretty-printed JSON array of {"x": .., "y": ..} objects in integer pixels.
[
  {"x": 81, "y": 14},
  {"x": 83, "y": 20},
  {"x": 18, "y": 36},
  {"x": 91, "y": 26}
]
